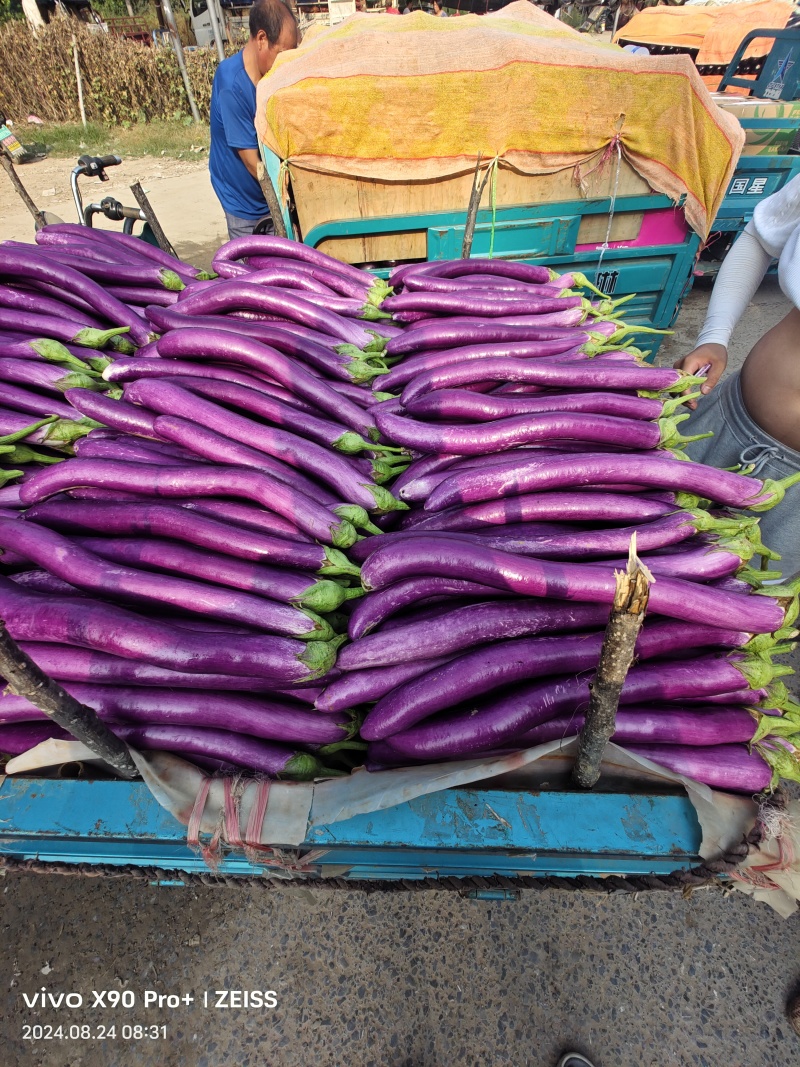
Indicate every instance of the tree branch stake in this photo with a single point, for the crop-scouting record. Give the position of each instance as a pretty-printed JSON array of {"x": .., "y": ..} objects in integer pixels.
[
  {"x": 616, "y": 657},
  {"x": 27, "y": 680}
]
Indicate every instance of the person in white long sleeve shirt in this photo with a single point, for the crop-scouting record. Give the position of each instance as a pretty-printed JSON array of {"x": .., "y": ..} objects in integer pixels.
[{"x": 755, "y": 414}]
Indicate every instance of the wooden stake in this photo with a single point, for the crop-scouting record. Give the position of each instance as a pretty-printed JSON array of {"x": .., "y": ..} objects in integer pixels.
[
  {"x": 27, "y": 680},
  {"x": 616, "y": 657},
  {"x": 472, "y": 210},
  {"x": 271, "y": 197},
  {"x": 150, "y": 215},
  {"x": 10, "y": 170},
  {"x": 78, "y": 79}
]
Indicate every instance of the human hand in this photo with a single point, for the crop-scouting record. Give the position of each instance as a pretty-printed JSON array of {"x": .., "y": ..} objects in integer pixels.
[{"x": 715, "y": 357}]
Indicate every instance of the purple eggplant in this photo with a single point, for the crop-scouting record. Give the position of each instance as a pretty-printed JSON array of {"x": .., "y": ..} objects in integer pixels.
[
  {"x": 233, "y": 295},
  {"x": 545, "y": 507},
  {"x": 501, "y": 719},
  {"x": 32, "y": 265},
  {"x": 311, "y": 458},
  {"x": 163, "y": 520},
  {"x": 69, "y": 663},
  {"x": 256, "y": 716},
  {"x": 466, "y": 406},
  {"x": 219, "y": 346},
  {"x": 82, "y": 621},
  {"x": 69, "y": 561},
  {"x": 448, "y": 557},
  {"x": 194, "y": 481},
  {"x": 363, "y": 687},
  {"x": 113, "y": 413},
  {"x": 724, "y": 487},
  {"x": 509, "y": 663},
  {"x": 288, "y": 587}
]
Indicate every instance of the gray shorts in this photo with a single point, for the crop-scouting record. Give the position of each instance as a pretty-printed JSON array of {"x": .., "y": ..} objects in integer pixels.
[
  {"x": 244, "y": 227},
  {"x": 739, "y": 440}
]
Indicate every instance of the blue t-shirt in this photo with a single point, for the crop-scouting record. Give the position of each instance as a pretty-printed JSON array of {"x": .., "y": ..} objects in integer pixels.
[{"x": 233, "y": 111}]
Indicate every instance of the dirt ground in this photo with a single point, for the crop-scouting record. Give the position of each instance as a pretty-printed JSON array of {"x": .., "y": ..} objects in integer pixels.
[{"x": 179, "y": 190}]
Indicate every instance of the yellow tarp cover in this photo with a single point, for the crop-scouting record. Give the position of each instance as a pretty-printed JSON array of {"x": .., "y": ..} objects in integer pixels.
[
  {"x": 414, "y": 98},
  {"x": 715, "y": 31}
]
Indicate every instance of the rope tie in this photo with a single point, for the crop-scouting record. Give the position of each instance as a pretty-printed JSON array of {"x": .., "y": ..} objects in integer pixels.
[{"x": 615, "y": 145}]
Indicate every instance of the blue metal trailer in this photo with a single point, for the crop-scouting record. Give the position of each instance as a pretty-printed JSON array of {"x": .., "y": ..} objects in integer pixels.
[{"x": 457, "y": 833}]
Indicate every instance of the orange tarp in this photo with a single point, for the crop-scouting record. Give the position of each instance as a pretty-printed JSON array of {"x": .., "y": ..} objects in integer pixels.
[
  {"x": 716, "y": 32},
  {"x": 419, "y": 98}
]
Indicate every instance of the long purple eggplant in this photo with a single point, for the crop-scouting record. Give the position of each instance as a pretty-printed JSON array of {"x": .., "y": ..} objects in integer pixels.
[
  {"x": 243, "y": 295},
  {"x": 447, "y": 557},
  {"x": 48, "y": 377},
  {"x": 448, "y": 333},
  {"x": 65, "y": 233},
  {"x": 220, "y": 346},
  {"x": 412, "y": 366},
  {"x": 464, "y": 405},
  {"x": 610, "y": 376},
  {"x": 118, "y": 273},
  {"x": 340, "y": 282},
  {"x": 16, "y": 264},
  {"x": 508, "y": 663},
  {"x": 571, "y": 545},
  {"x": 661, "y": 725},
  {"x": 514, "y": 432},
  {"x": 324, "y": 431},
  {"x": 68, "y": 331},
  {"x": 163, "y": 520},
  {"x": 544, "y": 507},
  {"x": 69, "y": 561},
  {"x": 198, "y": 480},
  {"x": 70, "y": 663},
  {"x": 462, "y": 627},
  {"x": 262, "y": 717},
  {"x": 724, "y": 487},
  {"x": 114, "y": 413},
  {"x": 56, "y": 433},
  {"x": 500, "y": 720},
  {"x": 169, "y": 399},
  {"x": 267, "y": 245},
  {"x": 288, "y": 587},
  {"x": 734, "y": 768},
  {"x": 323, "y": 358},
  {"x": 264, "y": 757},
  {"x": 210, "y": 445},
  {"x": 459, "y": 268},
  {"x": 117, "y": 631},
  {"x": 130, "y": 370}
]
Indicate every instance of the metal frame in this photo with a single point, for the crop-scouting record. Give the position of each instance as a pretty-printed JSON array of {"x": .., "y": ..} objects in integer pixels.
[
  {"x": 466, "y": 832},
  {"x": 546, "y": 233}
]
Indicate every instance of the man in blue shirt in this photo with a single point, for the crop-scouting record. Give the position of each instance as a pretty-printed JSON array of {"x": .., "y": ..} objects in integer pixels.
[{"x": 233, "y": 158}]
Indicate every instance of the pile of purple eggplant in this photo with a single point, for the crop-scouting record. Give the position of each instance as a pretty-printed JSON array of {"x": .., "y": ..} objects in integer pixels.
[
  {"x": 541, "y": 445},
  {"x": 185, "y": 573},
  {"x": 301, "y": 503}
]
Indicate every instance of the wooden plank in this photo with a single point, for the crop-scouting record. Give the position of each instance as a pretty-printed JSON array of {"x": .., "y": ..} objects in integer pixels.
[{"x": 323, "y": 198}]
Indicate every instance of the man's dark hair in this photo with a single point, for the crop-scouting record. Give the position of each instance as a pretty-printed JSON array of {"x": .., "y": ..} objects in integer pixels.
[{"x": 270, "y": 16}]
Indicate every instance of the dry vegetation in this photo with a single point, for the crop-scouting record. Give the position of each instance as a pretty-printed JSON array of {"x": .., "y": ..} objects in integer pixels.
[{"x": 123, "y": 82}]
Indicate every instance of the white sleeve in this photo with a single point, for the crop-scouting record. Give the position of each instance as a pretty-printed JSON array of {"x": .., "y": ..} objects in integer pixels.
[
  {"x": 742, "y": 272},
  {"x": 776, "y": 218}
]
